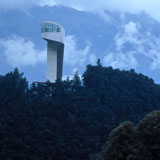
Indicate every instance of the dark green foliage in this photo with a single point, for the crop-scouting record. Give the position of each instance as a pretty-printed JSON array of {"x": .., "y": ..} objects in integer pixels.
[
  {"x": 134, "y": 143},
  {"x": 120, "y": 145},
  {"x": 149, "y": 137},
  {"x": 70, "y": 119},
  {"x": 13, "y": 88},
  {"x": 128, "y": 94}
]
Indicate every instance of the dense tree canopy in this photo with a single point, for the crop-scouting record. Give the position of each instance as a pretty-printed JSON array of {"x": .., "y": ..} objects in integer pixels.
[
  {"x": 120, "y": 146},
  {"x": 70, "y": 119},
  {"x": 141, "y": 142}
]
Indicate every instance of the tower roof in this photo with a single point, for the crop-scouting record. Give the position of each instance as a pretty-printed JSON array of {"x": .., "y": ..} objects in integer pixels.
[{"x": 52, "y": 31}]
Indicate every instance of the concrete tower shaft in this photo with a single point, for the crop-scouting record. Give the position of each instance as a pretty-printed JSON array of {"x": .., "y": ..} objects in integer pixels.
[{"x": 53, "y": 33}]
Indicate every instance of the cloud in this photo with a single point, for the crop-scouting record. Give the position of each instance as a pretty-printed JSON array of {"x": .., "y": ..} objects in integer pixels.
[
  {"x": 141, "y": 44},
  {"x": 120, "y": 60},
  {"x": 19, "y": 52},
  {"x": 151, "y": 7},
  {"x": 131, "y": 28},
  {"x": 17, "y": 4},
  {"x": 149, "y": 46},
  {"x": 128, "y": 34},
  {"x": 74, "y": 56},
  {"x": 92, "y": 59}
]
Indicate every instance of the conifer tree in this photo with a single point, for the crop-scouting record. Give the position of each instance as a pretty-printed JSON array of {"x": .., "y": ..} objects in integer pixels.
[{"x": 99, "y": 62}]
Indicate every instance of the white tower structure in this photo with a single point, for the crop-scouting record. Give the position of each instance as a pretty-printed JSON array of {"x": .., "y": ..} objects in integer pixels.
[{"x": 53, "y": 33}]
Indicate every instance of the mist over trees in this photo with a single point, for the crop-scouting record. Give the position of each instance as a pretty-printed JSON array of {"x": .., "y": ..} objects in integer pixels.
[{"x": 72, "y": 119}]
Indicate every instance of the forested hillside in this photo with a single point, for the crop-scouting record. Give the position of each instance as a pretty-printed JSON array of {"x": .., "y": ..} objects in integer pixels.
[
  {"x": 134, "y": 142},
  {"x": 70, "y": 120}
]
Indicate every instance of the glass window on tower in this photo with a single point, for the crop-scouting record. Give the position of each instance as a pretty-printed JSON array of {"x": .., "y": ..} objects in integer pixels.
[{"x": 50, "y": 27}]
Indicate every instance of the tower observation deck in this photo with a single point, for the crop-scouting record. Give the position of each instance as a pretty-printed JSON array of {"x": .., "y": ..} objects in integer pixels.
[{"x": 53, "y": 33}]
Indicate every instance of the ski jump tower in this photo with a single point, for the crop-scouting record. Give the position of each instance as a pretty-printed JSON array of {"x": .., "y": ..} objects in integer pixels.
[{"x": 53, "y": 33}]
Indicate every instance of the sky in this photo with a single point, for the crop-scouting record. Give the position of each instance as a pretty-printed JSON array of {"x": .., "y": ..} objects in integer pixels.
[
  {"x": 133, "y": 38},
  {"x": 132, "y": 6}
]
